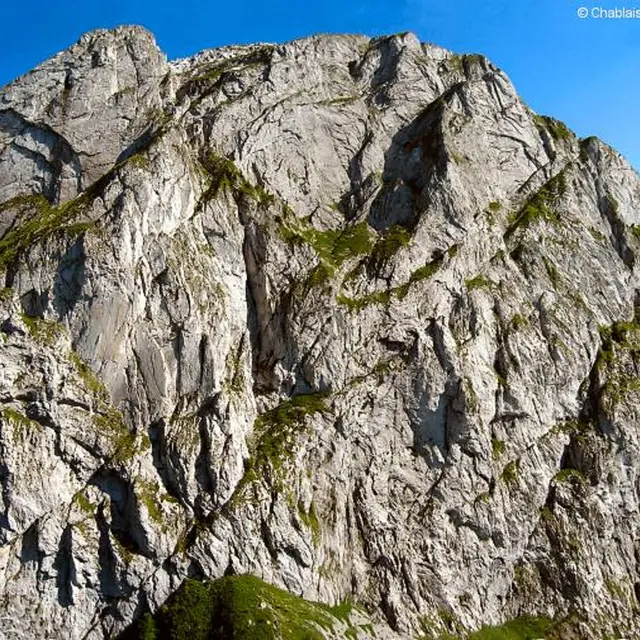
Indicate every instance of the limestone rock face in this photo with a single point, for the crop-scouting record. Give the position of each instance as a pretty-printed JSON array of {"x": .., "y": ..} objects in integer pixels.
[{"x": 343, "y": 314}]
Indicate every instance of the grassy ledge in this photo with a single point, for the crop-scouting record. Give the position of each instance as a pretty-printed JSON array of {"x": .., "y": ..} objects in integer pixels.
[
  {"x": 540, "y": 207},
  {"x": 38, "y": 220}
]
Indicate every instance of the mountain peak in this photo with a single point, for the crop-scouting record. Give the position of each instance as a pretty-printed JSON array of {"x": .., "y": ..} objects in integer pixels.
[{"x": 341, "y": 317}]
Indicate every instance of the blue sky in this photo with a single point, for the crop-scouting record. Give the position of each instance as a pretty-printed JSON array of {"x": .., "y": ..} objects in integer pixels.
[{"x": 583, "y": 71}]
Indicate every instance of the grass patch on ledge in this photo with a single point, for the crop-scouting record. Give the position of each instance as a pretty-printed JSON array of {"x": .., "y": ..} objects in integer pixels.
[
  {"x": 390, "y": 242},
  {"x": 511, "y": 472},
  {"x": 45, "y": 332},
  {"x": 225, "y": 175},
  {"x": 37, "y": 220},
  {"x": 332, "y": 246},
  {"x": 399, "y": 291},
  {"x": 478, "y": 282},
  {"x": 521, "y": 628},
  {"x": 616, "y": 363},
  {"x": 540, "y": 207},
  {"x": 276, "y": 430},
  {"x": 21, "y": 425},
  {"x": 497, "y": 448},
  {"x": 239, "y": 607},
  {"x": 556, "y": 128}
]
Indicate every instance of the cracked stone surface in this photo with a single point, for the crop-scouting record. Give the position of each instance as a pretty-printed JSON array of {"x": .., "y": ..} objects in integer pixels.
[{"x": 342, "y": 313}]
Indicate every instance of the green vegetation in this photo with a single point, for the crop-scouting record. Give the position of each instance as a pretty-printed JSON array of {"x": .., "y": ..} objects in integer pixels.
[
  {"x": 540, "y": 207},
  {"x": 635, "y": 230},
  {"x": 37, "y": 220},
  {"x": 310, "y": 520},
  {"x": 225, "y": 175},
  {"x": 85, "y": 505},
  {"x": 616, "y": 363},
  {"x": 568, "y": 427},
  {"x": 547, "y": 515},
  {"x": 139, "y": 160},
  {"x": 556, "y": 128},
  {"x": 276, "y": 429},
  {"x": 124, "y": 552},
  {"x": 524, "y": 628},
  {"x": 235, "y": 384},
  {"x": 124, "y": 442},
  {"x": 150, "y": 495},
  {"x": 20, "y": 424},
  {"x": 425, "y": 271},
  {"x": 238, "y": 607},
  {"x": 470, "y": 395},
  {"x": 567, "y": 475},
  {"x": 333, "y": 246},
  {"x": 518, "y": 322},
  {"x": 461, "y": 63},
  {"x": 399, "y": 291},
  {"x": 441, "y": 626},
  {"x": 147, "y": 628},
  {"x": 357, "y": 304},
  {"x": 108, "y": 420},
  {"x": 617, "y": 590},
  {"x": 494, "y": 206},
  {"x": 612, "y": 203},
  {"x": 46, "y": 332},
  {"x": 497, "y": 448},
  {"x": 478, "y": 282},
  {"x": 88, "y": 377},
  {"x": 600, "y": 237},
  {"x": 207, "y": 77},
  {"x": 274, "y": 439},
  {"x": 510, "y": 472},
  {"x": 390, "y": 242}
]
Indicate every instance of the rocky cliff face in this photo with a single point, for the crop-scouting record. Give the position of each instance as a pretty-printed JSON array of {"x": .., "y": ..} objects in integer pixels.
[{"x": 343, "y": 314}]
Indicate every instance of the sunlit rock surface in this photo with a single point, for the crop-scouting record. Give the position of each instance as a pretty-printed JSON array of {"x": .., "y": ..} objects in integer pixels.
[{"x": 343, "y": 314}]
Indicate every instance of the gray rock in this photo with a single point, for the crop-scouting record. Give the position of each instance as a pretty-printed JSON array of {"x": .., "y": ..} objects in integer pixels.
[{"x": 341, "y": 313}]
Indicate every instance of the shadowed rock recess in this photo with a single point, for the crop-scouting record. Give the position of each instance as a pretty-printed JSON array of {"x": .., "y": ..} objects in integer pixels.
[{"x": 329, "y": 339}]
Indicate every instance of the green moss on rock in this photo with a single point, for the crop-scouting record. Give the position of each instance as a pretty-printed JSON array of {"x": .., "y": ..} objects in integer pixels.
[
  {"x": 46, "y": 332},
  {"x": 399, "y": 291},
  {"x": 225, "y": 175},
  {"x": 332, "y": 246},
  {"x": 540, "y": 207},
  {"x": 275, "y": 435},
  {"x": 478, "y": 282},
  {"x": 510, "y": 472},
  {"x": 497, "y": 448},
  {"x": 37, "y": 220},
  {"x": 21, "y": 425},
  {"x": 391, "y": 241}
]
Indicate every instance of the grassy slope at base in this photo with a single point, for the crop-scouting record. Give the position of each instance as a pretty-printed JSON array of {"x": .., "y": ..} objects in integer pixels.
[{"x": 238, "y": 608}]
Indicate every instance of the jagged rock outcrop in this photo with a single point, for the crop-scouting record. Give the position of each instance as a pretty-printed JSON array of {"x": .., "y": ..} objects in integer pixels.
[{"x": 343, "y": 314}]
